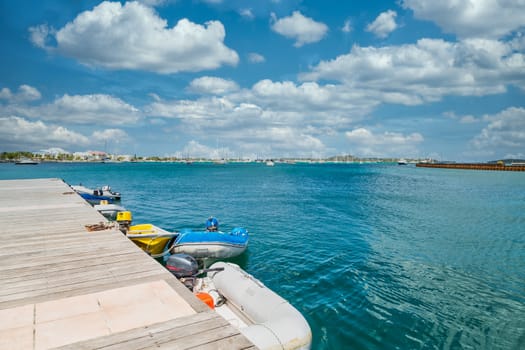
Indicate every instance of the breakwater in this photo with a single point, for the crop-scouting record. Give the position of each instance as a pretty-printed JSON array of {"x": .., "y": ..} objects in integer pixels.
[{"x": 473, "y": 166}]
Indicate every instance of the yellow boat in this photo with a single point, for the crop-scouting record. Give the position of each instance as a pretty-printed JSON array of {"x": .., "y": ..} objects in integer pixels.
[{"x": 150, "y": 238}]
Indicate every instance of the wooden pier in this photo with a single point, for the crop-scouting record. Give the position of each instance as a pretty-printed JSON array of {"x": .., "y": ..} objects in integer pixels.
[
  {"x": 64, "y": 287},
  {"x": 473, "y": 166}
]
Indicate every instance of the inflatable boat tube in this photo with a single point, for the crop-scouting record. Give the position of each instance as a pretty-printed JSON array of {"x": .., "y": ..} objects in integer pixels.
[{"x": 276, "y": 323}]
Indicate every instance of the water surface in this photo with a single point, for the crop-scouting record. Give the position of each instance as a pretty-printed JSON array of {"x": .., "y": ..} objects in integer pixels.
[{"x": 375, "y": 256}]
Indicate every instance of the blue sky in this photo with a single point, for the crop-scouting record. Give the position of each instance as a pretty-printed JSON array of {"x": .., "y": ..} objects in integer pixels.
[{"x": 276, "y": 78}]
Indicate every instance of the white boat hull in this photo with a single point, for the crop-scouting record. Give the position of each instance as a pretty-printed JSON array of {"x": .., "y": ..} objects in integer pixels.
[{"x": 109, "y": 210}]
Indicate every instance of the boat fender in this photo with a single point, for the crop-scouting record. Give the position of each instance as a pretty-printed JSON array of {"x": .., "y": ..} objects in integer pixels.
[
  {"x": 218, "y": 299},
  {"x": 206, "y": 299}
]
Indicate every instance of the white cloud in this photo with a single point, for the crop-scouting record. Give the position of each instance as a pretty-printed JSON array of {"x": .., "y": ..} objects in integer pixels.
[
  {"x": 113, "y": 135},
  {"x": 132, "y": 36},
  {"x": 347, "y": 26},
  {"x": 79, "y": 109},
  {"x": 471, "y": 18},
  {"x": 40, "y": 35},
  {"x": 247, "y": 13},
  {"x": 54, "y": 151},
  {"x": 212, "y": 85},
  {"x": 463, "y": 119},
  {"x": 270, "y": 103},
  {"x": 154, "y": 3},
  {"x": 303, "y": 30},
  {"x": 18, "y": 133},
  {"x": 271, "y": 117},
  {"x": 505, "y": 132},
  {"x": 87, "y": 109},
  {"x": 25, "y": 93},
  {"x": 194, "y": 149},
  {"x": 387, "y": 144},
  {"x": 426, "y": 71},
  {"x": 254, "y": 57},
  {"x": 468, "y": 119},
  {"x": 384, "y": 24}
]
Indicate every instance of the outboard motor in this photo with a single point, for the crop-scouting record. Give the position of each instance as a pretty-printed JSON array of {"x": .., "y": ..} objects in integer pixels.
[
  {"x": 182, "y": 265},
  {"x": 124, "y": 219}
]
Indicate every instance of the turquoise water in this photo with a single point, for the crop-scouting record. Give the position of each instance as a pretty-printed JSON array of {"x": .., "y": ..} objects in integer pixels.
[{"x": 374, "y": 256}]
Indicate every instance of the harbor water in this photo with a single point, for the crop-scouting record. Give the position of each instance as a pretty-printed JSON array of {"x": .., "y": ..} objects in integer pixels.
[{"x": 375, "y": 256}]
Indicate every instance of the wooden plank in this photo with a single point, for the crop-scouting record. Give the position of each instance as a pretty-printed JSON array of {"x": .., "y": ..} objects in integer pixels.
[
  {"x": 47, "y": 268},
  {"x": 144, "y": 336},
  {"x": 204, "y": 330},
  {"x": 203, "y": 338},
  {"x": 76, "y": 276},
  {"x": 98, "y": 286}
]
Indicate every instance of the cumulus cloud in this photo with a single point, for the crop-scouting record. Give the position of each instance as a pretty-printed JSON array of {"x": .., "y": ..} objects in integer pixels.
[
  {"x": 387, "y": 144},
  {"x": 132, "y": 36},
  {"x": 384, "y": 24},
  {"x": 426, "y": 71},
  {"x": 18, "y": 133},
  {"x": 274, "y": 117},
  {"x": 254, "y": 57},
  {"x": 471, "y": 18},
  {"x": 88, "y": 109},
  {"x": 303, "y": 30},
  {"x": 212, "y": 85},
  {"x": 270, "y": 103},
  {"x": 25, "y": 93},
  {"x": 79, "y": 109},
  {"x": 505, "y": 131}
]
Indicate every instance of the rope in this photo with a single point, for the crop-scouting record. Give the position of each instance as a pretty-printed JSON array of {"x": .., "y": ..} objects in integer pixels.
[
  {"x": 101, "y": 226},
  {"x": 161, "y": 255}
]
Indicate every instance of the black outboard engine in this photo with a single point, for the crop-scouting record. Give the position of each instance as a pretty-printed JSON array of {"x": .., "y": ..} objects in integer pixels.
[{"x": 182, "y": 265}]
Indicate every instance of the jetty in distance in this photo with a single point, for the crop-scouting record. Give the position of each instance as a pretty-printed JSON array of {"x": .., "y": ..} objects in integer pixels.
[{"x": 498, "y": 166}]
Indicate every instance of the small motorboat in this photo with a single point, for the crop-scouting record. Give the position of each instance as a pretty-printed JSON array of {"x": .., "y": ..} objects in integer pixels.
[
  {"x": 210, "y": 244},
  {"x": 148, "y": 237},
  {"x": 96, "y": 195},
  {"x": 260, "y": 314},
  {"x": 109, "y": 210},
  {"x": 27, "y": 161}
]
